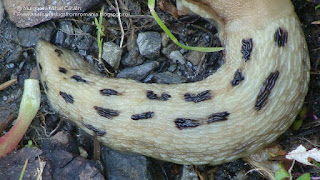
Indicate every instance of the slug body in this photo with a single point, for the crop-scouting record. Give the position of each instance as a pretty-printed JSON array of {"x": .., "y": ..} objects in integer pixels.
[{"x": 249, "y": 102}]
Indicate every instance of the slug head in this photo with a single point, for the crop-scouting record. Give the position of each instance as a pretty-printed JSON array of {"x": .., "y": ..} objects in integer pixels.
[{"x": 233, "y": 16}]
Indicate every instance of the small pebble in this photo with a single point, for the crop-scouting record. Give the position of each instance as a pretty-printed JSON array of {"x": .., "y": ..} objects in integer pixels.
[
  {"x": 149, "y": 44},
  {"x": 132, "y": 58},
  {"x": 195, "y": 57},
  {"x": 168, "y": 78},
  {"x": 112, "y": 54},
  {"x": 138, "y": 72},
  {"x": 189, "y": 172},
  {"x": 177, "y": 56},
  {"x": 172, "y": 68},
  {"x": 1, "y": 11},
  {"x": 169, "y": 48},
  {"x": 164, "y": 39},
  {"x": 10, "y": 66}
]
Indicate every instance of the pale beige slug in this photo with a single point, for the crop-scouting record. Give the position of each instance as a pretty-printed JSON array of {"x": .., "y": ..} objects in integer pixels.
[{"x": 251, "y": 100}]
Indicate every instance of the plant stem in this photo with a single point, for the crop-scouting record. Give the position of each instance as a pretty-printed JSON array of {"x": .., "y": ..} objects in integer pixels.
[{"x": 29, "y": 106}]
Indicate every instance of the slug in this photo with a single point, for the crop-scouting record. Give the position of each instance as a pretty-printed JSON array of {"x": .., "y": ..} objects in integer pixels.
[{"x": 249, "y": 102}]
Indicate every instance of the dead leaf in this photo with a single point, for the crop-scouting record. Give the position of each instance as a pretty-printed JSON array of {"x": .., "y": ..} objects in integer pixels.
[
  {"x": 167, "y": 7},
  {"x": 303, "y": 156}
]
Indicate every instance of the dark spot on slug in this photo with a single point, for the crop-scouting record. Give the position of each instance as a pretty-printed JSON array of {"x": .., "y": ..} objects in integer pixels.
[
  {"x": 107, "y": 113},
  {"x": 238, "y": 77},
  {"x": 164, "y": 96},
  {"x": 45, "y": 86},
  {"x": 40, "y": 67},
  {"x": 58, "y": 51},
  {"x": 78, "y": 78},
  {"x": 63, "y": 70},
  {"x": 205, "y": 95},
  {"x": 221, "y": 116},
  {"x": 246, "y": 48},
  {"x": 281, "y": 37},
  {"x": 67, "y": 97},
  {"x": 266, "y": 90},
  {"x": 108, "y": 92},
  {"x": 97, "y": 131},
  {"x": 182, "y": 123},
  {"x": 145, "y": 115}
]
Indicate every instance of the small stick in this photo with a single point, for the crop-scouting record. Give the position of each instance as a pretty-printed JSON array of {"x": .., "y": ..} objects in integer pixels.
[
  {"x": 120, "y": 23},
  {"x": 7, "y": 84}
]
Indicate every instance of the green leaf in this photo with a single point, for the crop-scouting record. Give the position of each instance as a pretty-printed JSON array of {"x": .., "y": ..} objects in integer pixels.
[
  {"x": 23, "y": 169},
  {"x": 318, "y": 6},
  {"x": 101, "y": 15},
  {"x": 29, "y": 143},
  {"x": 96, "y": 22},
  {"x": 316, "y": 163},
  {"x": 305, "y": 176},
  {"x": 297, "y": 124},
  {"x": 281, "y": 173}
]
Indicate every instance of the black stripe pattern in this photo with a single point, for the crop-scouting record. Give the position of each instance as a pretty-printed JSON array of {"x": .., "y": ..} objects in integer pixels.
[
  {"x": 186, "y": 123},
  {"x": 59, "y": 52},
  {"x": 63, "y": 70},
  {"x": 222, "y": 116},
  {"x": 97, "y": 131},
  {"x": 182, "y": 123},
  {"x": 205, "y": 95},
  {"x": 108, "y": 92},
  {"x": 107, "y": 113},
  {"x": 78, "y": 78},
  {"x": 146, "y": 115},
  {"x": 152, "y": 96},
  {"x": 45, "y": 85},
  {"x": 67, "y": 97},
  {"x": 266, "y": 90},
  {"x": 40, "y": 67},
  {"x": 246, "y": 49},
  {"x": 238, "y": 77},
  {"x": 281, "y": 37}
]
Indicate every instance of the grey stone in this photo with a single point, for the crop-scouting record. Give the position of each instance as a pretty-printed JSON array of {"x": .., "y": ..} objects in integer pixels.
[
  {"x": 164, "y": 39},
  {"x": 177, "y": 56},
  {"x": 63, "y": 35},
  {"x": 149, "y": 44},
  {"x": 10, "y": 65},
  {"x": 60, "y": 36},
  {"x": 172, "y": 68},
  {"x": 20, "y": 12},
  {"x": 188, "y": 172},
  {"x": 132, "y": 41},
  {"x": 124, "y": 165},
  {"x": 83, "y": 42},
  {"x": 66, "y": 27},
  {"x": 132, "y": 58},
  {"x": 29, "y": 36},
  {"x": 14, "y": 54},
  {"x": 169, "y": 48},
  {"x": 1, "y": 11},
  {"x": 138, "y": 72},
  {"x": 112, "y": 54},
  {"x": 8, "y": 33},
  {"x": 169, "y": 78},
  {"x": 195, "y": 57}
]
